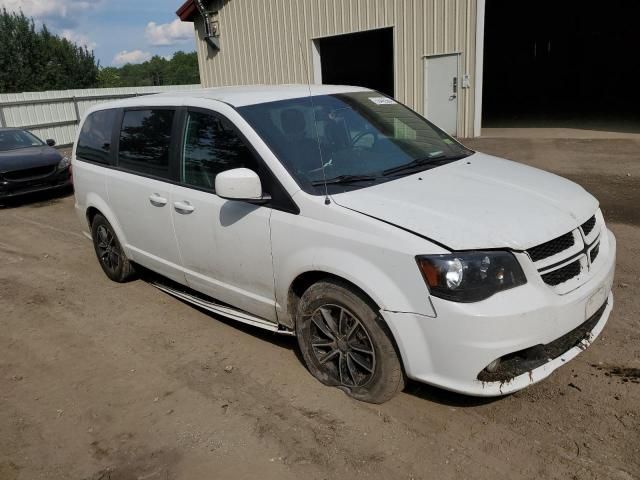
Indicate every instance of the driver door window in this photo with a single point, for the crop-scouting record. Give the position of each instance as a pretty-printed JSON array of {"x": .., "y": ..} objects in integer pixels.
[{"x": 211, "y": 146}]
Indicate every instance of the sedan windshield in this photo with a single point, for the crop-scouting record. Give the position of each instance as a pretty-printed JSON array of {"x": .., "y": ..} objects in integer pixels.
[
  {"x": 15, "y": 139},
  {"x": 350, "y": 140}
]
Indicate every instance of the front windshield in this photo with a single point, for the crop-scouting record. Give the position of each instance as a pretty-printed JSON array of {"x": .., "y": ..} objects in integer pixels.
[
  {"x": 360, "y": 138},
  {"x": 15, "y": 139}
]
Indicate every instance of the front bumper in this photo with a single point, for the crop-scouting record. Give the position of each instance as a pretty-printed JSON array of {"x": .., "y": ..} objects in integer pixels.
[
  {"x": 452, "y": 349},
  {"x": 11, "y": 189}
]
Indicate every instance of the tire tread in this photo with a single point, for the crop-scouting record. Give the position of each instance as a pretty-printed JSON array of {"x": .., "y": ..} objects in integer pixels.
[{"x": 391, "y": 378}]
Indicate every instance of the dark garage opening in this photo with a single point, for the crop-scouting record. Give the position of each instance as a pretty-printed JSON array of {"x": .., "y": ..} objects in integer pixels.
[
  {"x": 562, "y": 64},
  {"x": 364, "y": 59}
]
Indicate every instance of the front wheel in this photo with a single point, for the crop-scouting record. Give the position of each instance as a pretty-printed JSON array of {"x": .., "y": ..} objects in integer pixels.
[{"x": 346, "y": 344}]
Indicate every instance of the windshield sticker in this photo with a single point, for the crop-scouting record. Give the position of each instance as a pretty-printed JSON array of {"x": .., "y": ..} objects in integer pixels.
[
  {"x": 447, "y": 141},
  {"x": 382, "y": 101}
]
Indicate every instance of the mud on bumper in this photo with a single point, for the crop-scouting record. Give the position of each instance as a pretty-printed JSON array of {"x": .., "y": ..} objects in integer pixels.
[{"x": 518, "y": 363}]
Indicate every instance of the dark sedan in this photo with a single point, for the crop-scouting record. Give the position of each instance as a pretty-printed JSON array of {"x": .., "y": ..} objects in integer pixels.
[{"x": 27, "y": 164}]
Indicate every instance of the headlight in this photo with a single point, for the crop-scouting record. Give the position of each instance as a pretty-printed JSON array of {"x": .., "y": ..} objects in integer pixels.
[
  {"x": 64, "y": 163},
  {"x": 470, "y": 276}
]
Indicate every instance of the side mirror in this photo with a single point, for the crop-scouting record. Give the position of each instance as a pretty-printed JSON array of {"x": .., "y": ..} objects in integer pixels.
[
  {"x": 240, "y": 184},
  {"x": 51, "y": 142}
]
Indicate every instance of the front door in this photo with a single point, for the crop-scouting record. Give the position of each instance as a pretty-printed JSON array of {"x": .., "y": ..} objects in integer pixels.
[
  {"x": 441, "y": 92},
  {"x": 225, "y": 245}
]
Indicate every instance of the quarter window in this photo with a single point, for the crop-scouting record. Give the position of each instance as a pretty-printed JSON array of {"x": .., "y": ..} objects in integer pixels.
[
  {"x": 94, "y": 142},
  {"x": 211, "y": 146},
  {"x": 145, "y": 138}
]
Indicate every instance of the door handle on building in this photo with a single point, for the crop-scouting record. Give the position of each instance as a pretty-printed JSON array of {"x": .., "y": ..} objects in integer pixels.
[
  {"x": 157, "y": 201},
  {"x": 184, "y": 208}
]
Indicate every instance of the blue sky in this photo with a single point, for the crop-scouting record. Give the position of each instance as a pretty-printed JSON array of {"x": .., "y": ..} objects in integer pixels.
[{"x": 119, "y": 31}]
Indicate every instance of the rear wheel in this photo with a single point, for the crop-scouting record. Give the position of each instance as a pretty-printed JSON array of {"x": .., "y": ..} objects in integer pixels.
[
  {"x": 346, "y": 344},
  {"x": 113, "y": 261}
]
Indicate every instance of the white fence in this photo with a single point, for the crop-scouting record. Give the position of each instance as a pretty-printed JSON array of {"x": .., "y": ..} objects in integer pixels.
[{"x": 56, "y": 114}]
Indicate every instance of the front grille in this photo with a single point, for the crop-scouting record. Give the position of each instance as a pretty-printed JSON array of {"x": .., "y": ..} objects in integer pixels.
[
  {"x": 594, "y": 252},
  {"x": 526, "y": 360},
  {"x": 30, "y": 173},
  {"x": 563, "y": 274},
  {"x": 588, "y": 226},
  {"x": 551, "y": 247}
]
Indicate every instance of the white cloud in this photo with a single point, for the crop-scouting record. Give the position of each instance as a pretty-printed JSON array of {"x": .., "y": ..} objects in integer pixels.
[
  {"x": 134, "y": 56},
  {"x": 168, "y": 33},
  {"x": 59, "y": 13},
  {"x": 79, "y": 39}
]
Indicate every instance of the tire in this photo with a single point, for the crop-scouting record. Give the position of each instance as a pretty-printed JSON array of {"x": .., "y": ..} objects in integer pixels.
[
  {"x": 335, "y": 326},
  {"x": 111, "y": 256}
]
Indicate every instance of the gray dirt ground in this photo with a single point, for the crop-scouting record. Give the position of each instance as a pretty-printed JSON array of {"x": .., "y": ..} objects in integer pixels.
[{"x": 103, "y": 381}]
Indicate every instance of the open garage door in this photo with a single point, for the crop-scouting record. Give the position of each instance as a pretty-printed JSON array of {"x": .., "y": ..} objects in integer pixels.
[
  {"x": 562, "y": 64},
  {"x": 364, "y": 59}
]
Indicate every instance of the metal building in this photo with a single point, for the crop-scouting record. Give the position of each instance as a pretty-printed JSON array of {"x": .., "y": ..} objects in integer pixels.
[
  {"x": 537, "y": 63},
  {"x": 425, "y": 48}
]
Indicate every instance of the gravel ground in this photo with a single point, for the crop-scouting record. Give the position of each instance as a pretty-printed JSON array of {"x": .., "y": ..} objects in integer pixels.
[{"x": 105, "y": 381}]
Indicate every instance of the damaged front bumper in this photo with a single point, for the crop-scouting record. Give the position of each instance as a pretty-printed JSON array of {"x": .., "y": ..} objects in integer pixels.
[
  {"x": 531, "y": 329},
  {"x": 509, "y": 384},
  {"x": 525, "y": 361}
]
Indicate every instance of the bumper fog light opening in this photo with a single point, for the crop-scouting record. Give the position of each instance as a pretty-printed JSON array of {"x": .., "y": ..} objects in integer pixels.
[{"x": 493, "y": 366}]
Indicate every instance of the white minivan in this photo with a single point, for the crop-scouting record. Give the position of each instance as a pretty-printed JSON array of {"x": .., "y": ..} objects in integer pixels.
[{"x": 340, "y": 216}]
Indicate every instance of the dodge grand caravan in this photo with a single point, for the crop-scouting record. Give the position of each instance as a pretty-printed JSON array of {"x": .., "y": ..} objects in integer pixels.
[{"x": 342, "y": 217}]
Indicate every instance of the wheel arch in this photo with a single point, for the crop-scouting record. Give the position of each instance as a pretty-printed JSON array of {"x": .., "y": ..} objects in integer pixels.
[
  {"x": 90, "y": 214},
  {"x": 303, "y": 281},
  {"x": 96, "y": 205},
  {"x": 306, "y": 279}
]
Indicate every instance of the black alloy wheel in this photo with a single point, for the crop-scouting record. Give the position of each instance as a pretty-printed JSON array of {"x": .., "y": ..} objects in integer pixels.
[
  {"x": 345, "y": 342},
  {"x": 111, "y": 256},
  {"x": 342, "y": 346}
]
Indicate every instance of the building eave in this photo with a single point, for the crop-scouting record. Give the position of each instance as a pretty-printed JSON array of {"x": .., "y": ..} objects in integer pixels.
[{"x": 187, "y": 11}]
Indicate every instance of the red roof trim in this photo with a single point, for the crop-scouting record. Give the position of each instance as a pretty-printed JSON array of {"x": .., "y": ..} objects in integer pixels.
[{"x": 187, "y": 10}]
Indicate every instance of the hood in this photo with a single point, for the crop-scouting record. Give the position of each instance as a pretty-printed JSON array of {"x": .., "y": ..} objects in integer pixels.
[
  {"x": 478, "y": 202},
  {"x": 30, "y": 157}
]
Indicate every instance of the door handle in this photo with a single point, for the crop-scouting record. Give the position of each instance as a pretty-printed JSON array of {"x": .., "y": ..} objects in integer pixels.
[
  {"x": 184, "y": 208},
  {"x": 454, "y": 93},
  {"x": 157, "y": 201}
]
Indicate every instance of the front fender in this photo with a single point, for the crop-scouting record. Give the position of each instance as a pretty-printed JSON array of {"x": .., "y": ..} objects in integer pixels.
[{"x": 376, "y": 280}]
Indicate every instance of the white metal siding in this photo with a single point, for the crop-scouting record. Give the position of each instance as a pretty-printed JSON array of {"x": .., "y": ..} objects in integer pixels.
[
  {"x": 270, "y": 41},
  {"x": 40, "y": 112}
]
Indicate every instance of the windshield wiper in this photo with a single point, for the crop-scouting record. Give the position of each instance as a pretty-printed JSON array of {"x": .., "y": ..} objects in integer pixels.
[
  {"x": 420, "y": 162},
  {"x": 345, "y": 179}
]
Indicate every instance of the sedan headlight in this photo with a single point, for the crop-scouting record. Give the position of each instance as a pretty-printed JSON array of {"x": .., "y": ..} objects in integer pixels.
[
  {"x": 63, "y": 164},
  {"x": 470, "y": 276}
]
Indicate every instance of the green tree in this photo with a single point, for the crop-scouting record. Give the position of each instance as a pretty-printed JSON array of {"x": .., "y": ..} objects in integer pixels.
[
  {"x": 36, "y": 60},
  {"x": 109, "y": 77},
  {"x": 182, "y": 69}
]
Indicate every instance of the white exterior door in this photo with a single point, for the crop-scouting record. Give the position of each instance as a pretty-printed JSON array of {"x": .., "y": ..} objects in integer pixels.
[
  {"x": 141, "y": 205},
  {"x": 226, "y": 249},
  {"x": 225, "y": 245},
  {"x": 138, "y": 194},
  {"x": 441, "y": 92}
]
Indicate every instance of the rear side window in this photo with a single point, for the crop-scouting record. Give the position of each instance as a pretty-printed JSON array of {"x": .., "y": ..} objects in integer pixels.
[
  {"x": 212, "y": 146},
  {"x": 145, "y": 138},
  {"x": 94, "y": 142}
]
